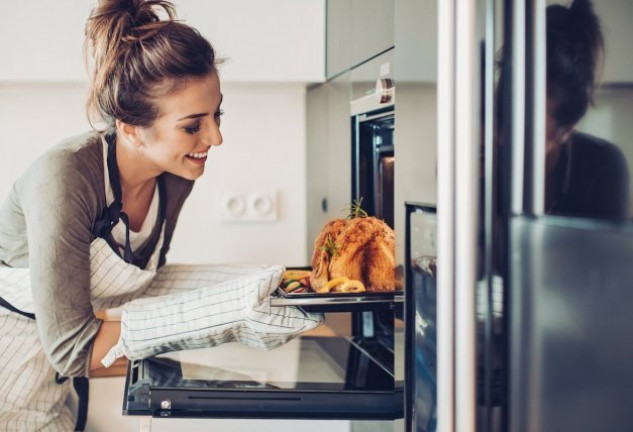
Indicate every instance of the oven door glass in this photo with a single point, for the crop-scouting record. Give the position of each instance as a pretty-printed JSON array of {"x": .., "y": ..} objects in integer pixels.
[
  {"x": 421, "y": 319},
  {"x": 373, "y": 162},
  {"x": 309, "y": 377}
]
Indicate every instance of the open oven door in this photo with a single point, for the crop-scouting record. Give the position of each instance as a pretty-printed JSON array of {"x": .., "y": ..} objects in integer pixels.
[{"x": 310, "y": 377}]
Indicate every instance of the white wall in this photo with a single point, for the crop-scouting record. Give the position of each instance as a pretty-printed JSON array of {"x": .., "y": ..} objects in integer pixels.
[{"x": 263, "y": 150}]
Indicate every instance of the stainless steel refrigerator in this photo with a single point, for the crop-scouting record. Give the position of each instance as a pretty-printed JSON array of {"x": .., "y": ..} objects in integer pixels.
[{"x": 518, "y": 274}]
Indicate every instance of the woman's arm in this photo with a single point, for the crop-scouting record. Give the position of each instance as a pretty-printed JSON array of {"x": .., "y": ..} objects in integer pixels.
[
  {"x": 106, "y": 338},
  {"x": 59, "y": 198}
]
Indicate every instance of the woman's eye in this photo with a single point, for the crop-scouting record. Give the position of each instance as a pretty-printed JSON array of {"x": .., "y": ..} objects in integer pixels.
[
  {"x": 218, "y": 114},
  {"x": 192, "y": 129}
]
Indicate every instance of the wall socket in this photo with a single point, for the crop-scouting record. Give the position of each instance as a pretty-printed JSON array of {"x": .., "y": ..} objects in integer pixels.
[{"x": 258, "y": 206}]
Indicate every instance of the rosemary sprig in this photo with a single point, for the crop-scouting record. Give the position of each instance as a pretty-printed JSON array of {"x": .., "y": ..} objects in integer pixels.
[
  {"x": 330, "y": 248},
  {"x": 354, "y": 210}
]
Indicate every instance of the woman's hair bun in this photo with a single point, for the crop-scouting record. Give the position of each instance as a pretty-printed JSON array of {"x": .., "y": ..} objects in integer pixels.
[
  {"x": 574, "y": 53},
  {"x": 136, "y": 50},
  {"x": 126, "y": 20},
  {"x": 586, "y": 25}
]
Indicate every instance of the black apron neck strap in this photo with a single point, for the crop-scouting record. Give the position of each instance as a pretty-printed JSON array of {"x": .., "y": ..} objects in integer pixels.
[
  {"x": 114, "y": 212},
  {"x": 115, "y": 184}
]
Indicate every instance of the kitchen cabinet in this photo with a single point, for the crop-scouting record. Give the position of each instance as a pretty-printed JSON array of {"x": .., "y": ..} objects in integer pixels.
[
  {"x": 338, "y": 36},
  {"x": 356, "y": 31},
  {"x": 415, "y": 35},
  {"x": 264, "y": 41},
  {"x": 372, "y": 28}
]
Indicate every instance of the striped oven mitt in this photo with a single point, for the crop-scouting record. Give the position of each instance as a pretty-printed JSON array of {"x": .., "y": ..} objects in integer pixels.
[{"x": 234, "y": 310}]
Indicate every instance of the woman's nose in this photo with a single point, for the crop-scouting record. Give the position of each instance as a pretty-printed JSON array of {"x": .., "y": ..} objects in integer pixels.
[{"x": 212, "y": 136}]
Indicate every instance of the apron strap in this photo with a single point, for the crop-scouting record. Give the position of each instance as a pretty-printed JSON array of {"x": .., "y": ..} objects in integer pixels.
[
  {"x": 5, "y": 304},
  {"x": 111, "y": 215},
  {"x": 82, "y": 388}
]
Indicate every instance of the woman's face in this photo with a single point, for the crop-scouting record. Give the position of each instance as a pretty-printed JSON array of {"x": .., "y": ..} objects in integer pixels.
[
  {"x": 555, "y": 134},
  {"x": 188, "y": 126}
]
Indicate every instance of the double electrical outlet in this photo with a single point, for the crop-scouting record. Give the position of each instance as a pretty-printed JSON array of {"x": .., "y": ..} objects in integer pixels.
[{"x": 250, "y": 207}]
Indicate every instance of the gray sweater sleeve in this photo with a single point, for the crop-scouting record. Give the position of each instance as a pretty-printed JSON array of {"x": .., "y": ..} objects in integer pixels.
[{"x": 59, "y": 202}]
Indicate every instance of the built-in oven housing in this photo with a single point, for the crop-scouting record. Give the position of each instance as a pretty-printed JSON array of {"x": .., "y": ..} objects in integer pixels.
[
  {"x": 374, "y": 162},
  {"x": 373, "y": 158}
]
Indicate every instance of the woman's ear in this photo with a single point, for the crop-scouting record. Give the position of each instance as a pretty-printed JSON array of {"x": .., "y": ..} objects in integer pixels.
[{"x": 129, "y": 134}]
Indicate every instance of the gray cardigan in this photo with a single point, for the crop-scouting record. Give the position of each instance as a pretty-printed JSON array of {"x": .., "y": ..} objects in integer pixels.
[{"x": 46, "y": 225}]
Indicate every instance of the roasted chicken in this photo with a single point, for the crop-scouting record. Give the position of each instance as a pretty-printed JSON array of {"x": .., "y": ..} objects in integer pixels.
[{"x": 362, "y": 248}]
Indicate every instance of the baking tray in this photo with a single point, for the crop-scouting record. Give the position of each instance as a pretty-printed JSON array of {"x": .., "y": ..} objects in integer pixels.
[
  {"x": 343, "y": 302},
  {"x": 338, "y": 302}
]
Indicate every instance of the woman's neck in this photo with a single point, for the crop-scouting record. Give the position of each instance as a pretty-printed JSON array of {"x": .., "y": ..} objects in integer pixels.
[
  {"x": 135, "y": 173},
  {"x": 552, "y": 156},
  {"x": 138, "y": 180}
]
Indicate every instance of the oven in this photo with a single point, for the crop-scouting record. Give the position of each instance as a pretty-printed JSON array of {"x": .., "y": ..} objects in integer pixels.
[
  {"x": 373, "y": 161},
  {"x": 340, "y": 375}
]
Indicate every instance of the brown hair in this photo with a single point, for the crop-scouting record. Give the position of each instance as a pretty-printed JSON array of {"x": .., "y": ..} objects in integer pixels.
[
  {"x": 575, "y": 48},
  {"x": 139, "y": 57}
]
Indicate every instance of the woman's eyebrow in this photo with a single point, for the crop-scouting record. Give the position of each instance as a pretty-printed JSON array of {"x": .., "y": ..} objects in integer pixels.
[
  {"x": 196, "y": 115},
  {"x": 193, "y": 116}
]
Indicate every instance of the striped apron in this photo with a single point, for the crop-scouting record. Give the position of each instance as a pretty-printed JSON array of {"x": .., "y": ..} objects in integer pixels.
[{"x": 31, "y": 396}]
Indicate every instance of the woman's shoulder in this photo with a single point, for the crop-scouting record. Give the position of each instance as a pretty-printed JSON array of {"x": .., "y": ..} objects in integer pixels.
[
  {"x": 81, "y": 155},
  {"x": 598, "y": 155},
  {"x": 74, "y": 164},
  {"x": 591, "y": 147},
  {"x": 83, "y": 147}
]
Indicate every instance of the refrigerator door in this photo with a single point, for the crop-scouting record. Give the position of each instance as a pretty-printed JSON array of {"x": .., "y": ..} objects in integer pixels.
[
  {"x": 570, "y": 235},
  {"x": 570, "y": 324}
]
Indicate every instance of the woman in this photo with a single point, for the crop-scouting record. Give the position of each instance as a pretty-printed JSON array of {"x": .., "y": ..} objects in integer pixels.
[
  {"x": 89, "y": 224},
  {"x": 585, "y": 176}
]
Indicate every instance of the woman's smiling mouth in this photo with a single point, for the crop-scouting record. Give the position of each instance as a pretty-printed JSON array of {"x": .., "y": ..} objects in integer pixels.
[{"x": 198, "y": 157}]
